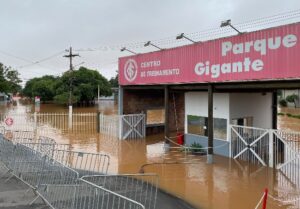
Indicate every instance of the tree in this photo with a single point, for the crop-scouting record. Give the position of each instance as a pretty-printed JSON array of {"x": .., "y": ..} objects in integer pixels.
[
  {"x": 292, "y": 99},
  {"x": 43, "y": 87},
  {"x": 9, "y": 80},
  {"x": 84, "y": 83},
  {"x": 114, "y": 81}
]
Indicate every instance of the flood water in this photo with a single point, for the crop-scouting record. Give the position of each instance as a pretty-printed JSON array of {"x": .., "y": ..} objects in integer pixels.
[{"x": 226, "y": 184}]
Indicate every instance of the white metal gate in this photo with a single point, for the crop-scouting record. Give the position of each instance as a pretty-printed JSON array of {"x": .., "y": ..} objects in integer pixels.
[
  {"x": 287, "y": 155},
  {"x": 250, "y": 144},
  {"x": 132, "y": 126}
]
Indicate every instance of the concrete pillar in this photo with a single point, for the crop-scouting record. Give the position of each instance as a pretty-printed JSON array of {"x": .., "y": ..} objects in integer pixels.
[
  {"x": 274, "y": 110},
  {"x": 210, "y": 151},
  {"x": 166, "y": 94},
  {"x": 120, "y": 100},
  {"x": 70, "y": 120}
]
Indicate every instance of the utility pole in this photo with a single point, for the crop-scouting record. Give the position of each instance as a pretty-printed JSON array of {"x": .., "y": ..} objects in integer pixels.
[{"x": 70, "y": 56}]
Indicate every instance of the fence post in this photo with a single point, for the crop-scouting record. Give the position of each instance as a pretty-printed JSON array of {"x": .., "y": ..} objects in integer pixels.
[
  {"x": 229, "y": 139},
  {"x": 271, "y": 148},
  {"x": 35, "y": 124},
  {"x": 70, "y": 117},
  {"x": 98, "y": 122},
  {"x": 120, "y": 126}
]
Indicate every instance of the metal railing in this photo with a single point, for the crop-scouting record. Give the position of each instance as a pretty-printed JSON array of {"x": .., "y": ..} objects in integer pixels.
[
  {"x": 250, "y": 144},
  {"x": 83, "y": 195},
  {"x": 83, "y": 162},
  {"x": 55, "y": 179},
  {"x": 83, "y": 122},
  {"x": 109, "y": 125},
  {"x": 132, "y": 126},
  {"x": 287, "y": 155},
  {"x": 139, "y": 187}
]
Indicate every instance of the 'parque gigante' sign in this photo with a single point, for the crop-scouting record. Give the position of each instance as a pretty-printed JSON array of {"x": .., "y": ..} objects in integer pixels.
[{"x": 270, "y": 54}]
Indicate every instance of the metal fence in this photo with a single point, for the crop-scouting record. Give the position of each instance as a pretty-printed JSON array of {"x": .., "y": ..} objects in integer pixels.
[
  {"x": 287, "y": 155},
  {"x": 275, "y": 148},
  {"x": 83, "y": 162},
  {"x": 250, "y": 144},
  {"x": 131, "y": 126},
  {"x": 109, "y": 125},
  {"x": 139, "y": 187},
  {"x": 55, "y": 176},
  {"x": 76, "y": 122},
  {"x": 85, "y": 195}
]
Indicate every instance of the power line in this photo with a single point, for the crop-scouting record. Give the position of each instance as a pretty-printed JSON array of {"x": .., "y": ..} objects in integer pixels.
[
  {"x": 70, "y": 56},
  {"x": 208, "y": 34},
  {"x": 42, "y": 60}
]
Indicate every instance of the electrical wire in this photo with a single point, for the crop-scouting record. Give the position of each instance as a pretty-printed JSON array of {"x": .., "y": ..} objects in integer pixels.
[
  {"x": 208, "y": 34},
  {"x": 43, "y": 60}
]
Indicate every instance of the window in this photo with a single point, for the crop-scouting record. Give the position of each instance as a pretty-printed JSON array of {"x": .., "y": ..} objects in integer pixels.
[
  {"x": 156, "y": 116},
  {"x": 198, "y": 125},
  {"x": 246, "y": 121}
]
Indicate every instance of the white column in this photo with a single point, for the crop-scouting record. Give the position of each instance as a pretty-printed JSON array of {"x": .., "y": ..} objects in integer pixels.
[
  {"x": 70, "y": 116},
  {"x": 271, "y": 148}
]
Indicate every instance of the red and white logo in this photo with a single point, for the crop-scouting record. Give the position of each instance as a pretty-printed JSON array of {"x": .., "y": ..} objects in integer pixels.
[
  {"x": 9, "y": 121},
  {"x": 130, "y": 70}
]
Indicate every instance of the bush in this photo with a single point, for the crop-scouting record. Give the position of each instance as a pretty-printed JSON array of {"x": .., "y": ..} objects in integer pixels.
[
  {"x": 289, "y": 115},
  {"x": 280, "y": 113},
  {"x": 283, "y": 103},
  {"x": 292, "y": 99},
  {"x": 296, "y": 116}
]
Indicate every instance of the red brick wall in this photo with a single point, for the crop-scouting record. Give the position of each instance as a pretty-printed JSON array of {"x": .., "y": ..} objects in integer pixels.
[{"x": 137, "y": 101}]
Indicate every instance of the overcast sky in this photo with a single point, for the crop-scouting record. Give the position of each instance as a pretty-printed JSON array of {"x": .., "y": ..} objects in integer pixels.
[{"x": 36, "y": 29}]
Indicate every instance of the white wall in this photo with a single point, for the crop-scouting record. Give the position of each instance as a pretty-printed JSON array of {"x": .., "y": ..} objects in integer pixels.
[
  {"x": 254, "y": 105},
  {"x": 196, "y": 103}
]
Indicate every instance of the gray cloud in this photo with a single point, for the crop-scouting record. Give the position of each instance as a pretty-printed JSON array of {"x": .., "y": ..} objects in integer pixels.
[{"x": 35, "y": 29}]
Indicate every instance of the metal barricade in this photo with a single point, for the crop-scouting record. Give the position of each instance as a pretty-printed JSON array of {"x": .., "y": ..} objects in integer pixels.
[
  {"x": 139, "y": 187},
  {"x": 85, "y": 195},
  {"x": 34, "y": 168},
  {"x": 2, "y": 130},
  {"x": 44, "y": 145},
  {"x": 55, "y": 179},
  {"x": 20, "y": 135},
  {"x": 6, "y": 151},
  {"x": 83, "y": 162}
]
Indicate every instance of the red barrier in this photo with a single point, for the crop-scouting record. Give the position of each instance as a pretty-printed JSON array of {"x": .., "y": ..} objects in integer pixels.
[
  {"x": 265, "y": 199},
  {"x": 180, "y": 138}
]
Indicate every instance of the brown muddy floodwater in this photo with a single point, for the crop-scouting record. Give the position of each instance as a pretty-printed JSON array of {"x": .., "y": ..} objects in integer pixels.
[{"x": 227, "y": 184}]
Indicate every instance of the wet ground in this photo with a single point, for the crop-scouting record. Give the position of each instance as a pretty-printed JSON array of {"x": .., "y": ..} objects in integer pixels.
[
  {"x": 15, "y": 195},
  {"x": 227, "y": 184}
]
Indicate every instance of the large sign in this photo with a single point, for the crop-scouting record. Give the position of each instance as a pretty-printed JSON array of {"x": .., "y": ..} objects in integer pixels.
[{"x": 262, "y": 55}]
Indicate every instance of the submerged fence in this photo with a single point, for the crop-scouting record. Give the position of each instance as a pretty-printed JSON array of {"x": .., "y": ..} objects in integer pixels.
[
  {"x": 54, "y": 172},
  {"x": 273, "y": 148},
  {"x": 139, "y": 187},
  {"x": 77, "y": 122},
  {"x": 131, "y": 126}
]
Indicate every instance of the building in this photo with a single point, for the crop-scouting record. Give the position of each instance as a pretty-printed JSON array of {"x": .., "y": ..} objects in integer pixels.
[
  {"x": 3, "y": 97},
  {"x": 206, "y": 86}
]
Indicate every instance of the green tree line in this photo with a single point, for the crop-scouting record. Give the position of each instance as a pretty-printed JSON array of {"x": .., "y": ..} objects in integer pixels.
[
  {"x": 9, "y": 80},
  {"x": 82, "y": 82}
]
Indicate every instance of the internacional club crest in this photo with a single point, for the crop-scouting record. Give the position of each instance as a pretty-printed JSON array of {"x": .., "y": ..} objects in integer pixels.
[{"x": 130, "y": 70}]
